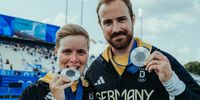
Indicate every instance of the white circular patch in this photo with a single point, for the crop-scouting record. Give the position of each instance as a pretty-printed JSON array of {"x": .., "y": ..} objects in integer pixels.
[
  {"x": 73, "y": 74},
  {"x": 139, "y": 55}
]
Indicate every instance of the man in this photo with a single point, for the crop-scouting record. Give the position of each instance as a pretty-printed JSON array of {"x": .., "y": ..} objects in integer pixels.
[{"x": 162, "y": 77}]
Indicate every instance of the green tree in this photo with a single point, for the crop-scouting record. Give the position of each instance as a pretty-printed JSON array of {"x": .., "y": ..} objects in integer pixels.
[{"x": 193, "y": 67}]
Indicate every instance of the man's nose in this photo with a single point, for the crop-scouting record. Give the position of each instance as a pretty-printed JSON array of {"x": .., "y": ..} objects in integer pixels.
[{"x": 116, "y": 27}]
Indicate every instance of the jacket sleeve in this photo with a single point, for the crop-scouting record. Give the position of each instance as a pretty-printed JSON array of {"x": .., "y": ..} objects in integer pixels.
[
  {"x": 91, "y": 89},
  {"x": 28, "y": 94},
  {"x": 36, "y": 91},
  {"x": 192, "y": 90}
]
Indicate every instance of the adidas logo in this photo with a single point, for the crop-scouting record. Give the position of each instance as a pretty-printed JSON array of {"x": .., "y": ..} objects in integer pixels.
[{"x": 100, "y": 81}]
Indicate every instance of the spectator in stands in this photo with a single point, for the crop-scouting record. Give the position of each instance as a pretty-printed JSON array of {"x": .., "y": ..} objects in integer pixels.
[
  {"x": 72, "y": 48},
  {"x": 1, "y": 62},
  {"x": 53, "y": 67},
  {"x": 7, "y": 62},
  {"x": 11, "y": 67}
]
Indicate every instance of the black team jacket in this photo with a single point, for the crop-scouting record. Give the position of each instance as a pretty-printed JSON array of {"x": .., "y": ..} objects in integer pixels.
[
  {"x": 40, "y": 90},
  {"x": 107, "y": 84}
]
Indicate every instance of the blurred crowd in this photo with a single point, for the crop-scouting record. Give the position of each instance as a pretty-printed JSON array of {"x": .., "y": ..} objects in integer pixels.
[{"x": 15, "y": 56}]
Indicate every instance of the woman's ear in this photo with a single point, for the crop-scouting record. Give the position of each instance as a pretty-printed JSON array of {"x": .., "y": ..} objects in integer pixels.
[{"x": 56, "y": 50}]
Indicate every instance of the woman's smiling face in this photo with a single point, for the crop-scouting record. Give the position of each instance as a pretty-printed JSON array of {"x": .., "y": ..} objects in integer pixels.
[{"x": 72, "y": 52}]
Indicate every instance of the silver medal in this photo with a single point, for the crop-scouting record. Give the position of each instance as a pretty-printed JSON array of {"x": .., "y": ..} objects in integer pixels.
[
  {"x": 73, "y": 74},
  {"x": 139, "y": 55}
]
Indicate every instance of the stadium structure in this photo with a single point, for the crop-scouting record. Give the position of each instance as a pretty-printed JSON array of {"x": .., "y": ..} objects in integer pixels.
[{"x": 26, "y": 54}]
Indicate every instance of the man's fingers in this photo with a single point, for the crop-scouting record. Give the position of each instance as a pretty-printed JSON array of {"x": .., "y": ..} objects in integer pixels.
[
  {"x": 152, "y": 65},
  {"x": 156, "y": 55},
  {"x": 152, "y": 62}
]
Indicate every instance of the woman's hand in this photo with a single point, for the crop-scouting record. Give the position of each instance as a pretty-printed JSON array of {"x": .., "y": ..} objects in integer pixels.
[{"x": 57, "y": 86}]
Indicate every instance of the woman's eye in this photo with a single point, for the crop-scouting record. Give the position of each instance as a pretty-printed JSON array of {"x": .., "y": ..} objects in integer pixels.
[
  {"x": 67, "y": 52},
  {"x": 81, "y": 52}
]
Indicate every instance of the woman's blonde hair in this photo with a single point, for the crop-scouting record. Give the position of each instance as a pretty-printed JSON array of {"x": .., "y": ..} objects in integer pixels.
[{"x": 71, "y": 30}]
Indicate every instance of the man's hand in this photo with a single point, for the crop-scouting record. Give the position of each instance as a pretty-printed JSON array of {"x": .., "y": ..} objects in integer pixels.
[{"x": 160, "y": 64}]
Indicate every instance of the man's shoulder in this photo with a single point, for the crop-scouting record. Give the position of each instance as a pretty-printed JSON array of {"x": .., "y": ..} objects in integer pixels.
[
  {"x": 98, "y": 65},
  {"x": 161, "y": 51},
  {"x": 98, "y": 61}
]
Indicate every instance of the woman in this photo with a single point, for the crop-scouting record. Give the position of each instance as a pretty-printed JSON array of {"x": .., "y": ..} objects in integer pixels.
[{"x": 72, "y": 48}]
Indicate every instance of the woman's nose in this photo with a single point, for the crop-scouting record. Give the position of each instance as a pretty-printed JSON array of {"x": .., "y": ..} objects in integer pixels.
[{"x": 74, "y": 58}]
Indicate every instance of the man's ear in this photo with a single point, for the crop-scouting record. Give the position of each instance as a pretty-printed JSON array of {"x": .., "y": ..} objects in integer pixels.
[
  {"x": 133, "y": 20},
  {"x": 100, "y": 24}
]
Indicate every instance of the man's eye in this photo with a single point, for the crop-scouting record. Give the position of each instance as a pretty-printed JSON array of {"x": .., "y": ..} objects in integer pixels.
[
  {"x": 107, "y": 23},
  {"x": 122, "y": 20}
]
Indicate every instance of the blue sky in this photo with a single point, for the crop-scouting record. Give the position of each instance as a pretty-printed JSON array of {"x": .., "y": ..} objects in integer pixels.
[{"x": 171, "y": 25}]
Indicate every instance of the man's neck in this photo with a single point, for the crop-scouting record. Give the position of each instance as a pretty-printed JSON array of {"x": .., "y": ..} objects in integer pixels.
[{"x": 117, "y": 52}]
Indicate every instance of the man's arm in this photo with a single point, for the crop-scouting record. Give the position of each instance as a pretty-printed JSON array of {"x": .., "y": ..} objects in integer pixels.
[{"x": 191, "y": 91}]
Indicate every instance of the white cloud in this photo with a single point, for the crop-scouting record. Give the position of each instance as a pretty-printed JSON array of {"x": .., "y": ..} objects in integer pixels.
[
  {"x": 156, "y": 25},
  {"x": 72, "y": 19},
  {"x": 181, "y": 33},
  {"x": 196, "y": 5},
  {"x": 146, "y": 3},
  {"x": 184, "y": 54},
  {"x": 198, "y": 55},
  {"x": 185, "y": 50},
  {"x": 46, "y": 21},
  {"x": 60, "y": 19},
  {"x": 186, "y": 18},
  {"x": 150, "y": 38}
]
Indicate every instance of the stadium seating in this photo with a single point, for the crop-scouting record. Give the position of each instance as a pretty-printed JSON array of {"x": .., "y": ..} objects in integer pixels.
[
  {"x": 12, "y": 83},
  {"x": 20, "y": 66},
  {"x": 25, "y": 57}
]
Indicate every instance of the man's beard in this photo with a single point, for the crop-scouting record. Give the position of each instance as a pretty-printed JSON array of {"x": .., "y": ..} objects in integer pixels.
[{"x": 120, "y": 43}]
